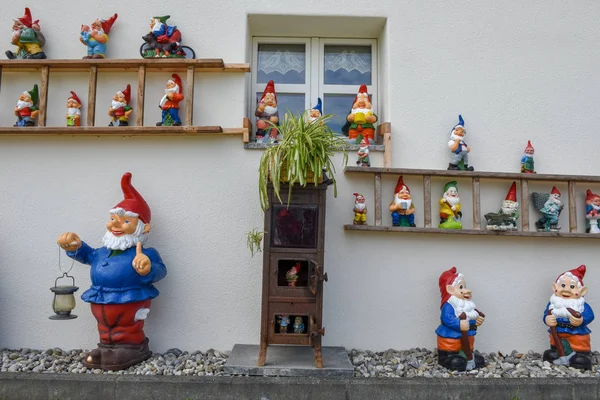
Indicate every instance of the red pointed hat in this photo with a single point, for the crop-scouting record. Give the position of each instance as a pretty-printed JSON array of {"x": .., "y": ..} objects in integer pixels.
[
  {"x": 74, "y": 97},
  {"x": 512, "y": 192},
  {"x": 270, "y": 88},
  {"x": 400, "y": 185},
  {"x": 133, "y": 201},
  {"x": 589, "y": 196},
  {"x": 529, "y": 146},
  {"x": 175, "y": 78},
  {"x": 555, "y": 191},
  {"x": 26, "y": 19},
  {"x": 578, "y": 273},
  {"x": 108, "y": 23},
  {"x": 446, "y": 278},
  {"x": 357, "y": 195},
  {"x": 361, "y": 89},
  {"x": 126, "y": 93}
]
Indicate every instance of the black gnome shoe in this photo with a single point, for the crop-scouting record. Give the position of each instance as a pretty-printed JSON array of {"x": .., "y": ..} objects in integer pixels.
[
  {"x": 452, "y": 361},
  {"x": 453, "y": 167},
  {"x": 581, "y": 360},
  {"x": 467, "y": 168},
  {"x": 551, "y": 354}
]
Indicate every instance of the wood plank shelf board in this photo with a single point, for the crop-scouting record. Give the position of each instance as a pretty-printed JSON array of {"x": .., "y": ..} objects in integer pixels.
[
  {"x": 120, "y": 131},
  {"x": 372, "y": 228},
  {"x": 473, "y": 174}
]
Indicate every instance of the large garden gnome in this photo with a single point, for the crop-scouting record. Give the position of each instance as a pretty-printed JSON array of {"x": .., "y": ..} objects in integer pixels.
[
  {"x": 459, "y": 148},
  {"x": 567, "y": 315},
  {"x": 459, "y": 322},
  {"x": 122, "y": 274},
  {"x": 361, "y": 119},
  {"x": 28, "y": 37},
  {"x": 266, "y": 111},
  {"x": 402, "y": 207}
]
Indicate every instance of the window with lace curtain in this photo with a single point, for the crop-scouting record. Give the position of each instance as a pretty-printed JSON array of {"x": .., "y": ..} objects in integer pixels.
[{"x": 305, "y": 69}]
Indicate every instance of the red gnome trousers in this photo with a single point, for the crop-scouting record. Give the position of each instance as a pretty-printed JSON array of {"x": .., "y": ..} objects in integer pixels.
[{"x": 117, "y": 324}]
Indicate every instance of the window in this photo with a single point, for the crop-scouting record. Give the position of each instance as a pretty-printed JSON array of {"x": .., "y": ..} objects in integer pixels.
[{"x": 305, "y": 69}]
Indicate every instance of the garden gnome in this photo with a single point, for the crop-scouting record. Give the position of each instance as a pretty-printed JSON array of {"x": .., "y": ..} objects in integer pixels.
[
  {"x": 527, "y": 160},
  {"x": 361, "y": 119},
  {"x": 506, "y": 218},
  {"x": 316, "y": 111},
  {"x": 298, "y": 325},
  {"x": 458, "y": 147},
  {"x": 163, "y": 32},
  {"x": 122, "y": 274},
  {"x": 592, "y": 211},
  {"x": 360, "y": 210},
  {"x": 459, "y": 322},
  {"x": 119, "y": 110},
  {"x": 550, "y": 206},
  {"x": 169, "y": 103},
  {"x": 28, "y": 38},
  {"x": 291, "y": 276},
  {"x": 73, "y": 110},
  {"x": 26, "y": 109},
  {"x": 284, "y": 321},
  {"x": 567, "y": 315},
  {"x": 96, "y": 36},
  {"x": 450, "y": 213},
  {"x": 266, "y": 111},
  {"x": 363, "y": 154},
  {"x": 402, "y": 208}
]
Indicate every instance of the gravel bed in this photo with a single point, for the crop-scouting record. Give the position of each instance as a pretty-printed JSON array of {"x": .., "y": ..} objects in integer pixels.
[{"x": 417, "y": 362}]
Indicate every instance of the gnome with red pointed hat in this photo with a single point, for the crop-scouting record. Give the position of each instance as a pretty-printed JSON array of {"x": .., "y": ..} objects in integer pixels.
[
  {"x": 506, "y": 218},
  {"x": 459, "y": 322},
  {"x": 28, "y": 38},
  {"x": 119, "y": 110},
  {"x": 592, "y": 211},
  {"x": 267, "y": 114},
  {"x": 169, "y": 103},
  {"x": 96, "y": 37},
  {"x": 360, "y": 210},
  {"x": 550, "y": 206},
  {"x": 73, "y": 110},
  {"x": 527, "y": 160},
  {"x": 122, "y": 274},
  {"x": 402, "y": 207},
  {"x": 567, "y": 315},
  {"x": 361, "y": 119}
]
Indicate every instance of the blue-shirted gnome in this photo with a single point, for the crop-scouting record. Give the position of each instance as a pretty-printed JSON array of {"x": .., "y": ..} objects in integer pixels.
[
  {"x": 459, "y": 322},
  {"x": 460, "y": 150},
  {"x": 122, "y": 274}
]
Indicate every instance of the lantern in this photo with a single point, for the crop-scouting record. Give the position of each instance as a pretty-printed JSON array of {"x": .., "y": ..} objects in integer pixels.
[{"x": 64, "y": 300}]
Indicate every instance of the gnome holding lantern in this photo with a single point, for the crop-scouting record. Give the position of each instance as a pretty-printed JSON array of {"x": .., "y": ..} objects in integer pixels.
[
  {"x": 119, "y": 110},
  {"x": 360, "y": 210},
  {"x": 459, "y": 148},
  {"x": 169, "y": 103},
  {"x": 402, "y": 207},
  {"x": 592, "y": 211},
  {"x": 459, "y": 322},
  {"x": 567, "y": 315},
  {"x": 550, "y": 206},
  {"x": 96, "y": 36},
  {"x": 506, "y": 218},
  {"x": 73, "y": 110},
  {"x": 26, "y": 109},
  {"x": 28, "y": 37},
  {"x": 450, "y": 214},
  {"x": 361, "y": 119},
  {"x": 527, "y": 160},
  {"x": 122, "y": 274},
  {"x": 267, "y": 114}
]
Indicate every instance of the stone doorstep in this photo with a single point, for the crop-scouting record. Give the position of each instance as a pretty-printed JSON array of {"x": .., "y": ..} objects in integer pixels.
[{"x": 288, "y": 361}]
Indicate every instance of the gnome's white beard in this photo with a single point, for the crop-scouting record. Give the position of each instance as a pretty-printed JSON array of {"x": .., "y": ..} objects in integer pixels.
[
  {"x": 359, "y": 206},
  {"x": 528, "y": 155},
  {"x": 454, "y": 137},
  {"x": 157, "y": 26},
  {"x": 270, "y": 110},
  {"x": 462, "y": 305},
  {"x": 73, "y": 111},
  {"x": 595, "y": 207},
  {"x": 124, "y": 242},
  {"x": 174, "y": 89},
  {"x": 117, "y": 104},
  {"x": 361, "y": 110},
  {"x": 23, "y": 104},
  {"x": 559, "y": 306},
  {"x": 452, "y": 200},
  {"x": 398, "y": 200}
]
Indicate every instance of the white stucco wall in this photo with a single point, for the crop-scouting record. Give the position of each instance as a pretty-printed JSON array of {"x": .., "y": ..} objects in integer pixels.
[{"x": 514, "y": 71}]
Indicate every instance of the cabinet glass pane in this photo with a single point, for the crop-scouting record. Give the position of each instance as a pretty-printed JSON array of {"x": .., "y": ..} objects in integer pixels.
[
  {"x": 339, "y": 105},
  {"x": 295, "y": 226},
  {"x": 283, "y": 63},
  {"x": 347, "y": 65}
]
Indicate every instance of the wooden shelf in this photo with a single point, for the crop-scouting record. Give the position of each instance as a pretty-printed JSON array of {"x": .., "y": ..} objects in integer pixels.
[
  {"x": 469, "y": 232},
  {"x": 121, "y": 131},
  {"x": 171, "y": 65}
]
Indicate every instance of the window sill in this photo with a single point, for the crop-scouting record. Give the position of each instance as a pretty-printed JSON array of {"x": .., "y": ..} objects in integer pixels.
[{"x": 351, "y": 147}]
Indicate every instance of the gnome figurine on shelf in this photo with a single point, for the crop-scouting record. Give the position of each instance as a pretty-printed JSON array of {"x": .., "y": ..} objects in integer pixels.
[
  {"x": 361, "y": 119},
  {"x": 28, "y": 37},
  {"x": 363, "y": 154},
  {"x": 527, "y": 160},
  {"x": 169, "y": 103},
  {"x": 96, "y": 36},
  {"x": 267, "y": 114},
  {"x": 73, "y": 110},
  {"x": 402, "y": 207},
  {"x": 592, "y": 211},
  {"x": 459, "y": 322},
  {"x": 316, "y": 111},
  {"x": 360, "y": 210},
  {"x": 567, "y": 315},
  {"x": 26, "y": 109},
  {"x": 122, "y": 273},
  {"x": 460, "y": 150},
  {"x": 550, "y": 206},
  {"x": 119, "y": 110},
  {"x": 506, "y": 218},
  {"x": 450, "y": 214}
]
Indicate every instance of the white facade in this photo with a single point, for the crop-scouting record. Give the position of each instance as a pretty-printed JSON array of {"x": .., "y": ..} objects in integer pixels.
[{"x": 515, "y": 71}]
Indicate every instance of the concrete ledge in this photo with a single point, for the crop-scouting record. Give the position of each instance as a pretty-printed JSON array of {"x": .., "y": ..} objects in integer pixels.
[{"x": 30, "y": 386}]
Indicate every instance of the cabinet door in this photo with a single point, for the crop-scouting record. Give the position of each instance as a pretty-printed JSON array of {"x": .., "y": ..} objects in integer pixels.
[
  {"x": 290, "y": 276},
  {"x": 289, "y": 322}
]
